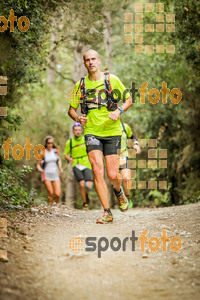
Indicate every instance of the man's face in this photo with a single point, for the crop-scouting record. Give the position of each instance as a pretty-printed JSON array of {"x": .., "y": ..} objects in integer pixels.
[
  {"x": 92, "y": 61},
  {"x": 77, "y": 131}
]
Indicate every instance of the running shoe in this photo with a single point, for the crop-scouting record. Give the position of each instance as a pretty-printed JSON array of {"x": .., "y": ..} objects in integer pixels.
[
  {"x": 130, "y": 203},
  {"x": 85, "y": 206},
  {"x": 107, "y": 218},
  {"x": 122, "y": 200}
]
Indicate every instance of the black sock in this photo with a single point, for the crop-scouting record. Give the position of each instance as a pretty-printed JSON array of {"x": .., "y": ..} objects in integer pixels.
[
  {"x": 118, "y": 193},
  {"x": 107, "y": 210}
]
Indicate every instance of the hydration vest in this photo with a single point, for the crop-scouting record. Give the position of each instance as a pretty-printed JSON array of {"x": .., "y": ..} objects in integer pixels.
[
  {"x": 43, "y": 163},
  {"x": 110, "y": 102},
  {"x": 71, "y": 147}
]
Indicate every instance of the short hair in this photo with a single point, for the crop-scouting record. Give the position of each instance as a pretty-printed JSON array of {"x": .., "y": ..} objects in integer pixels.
[{"x": 90, "y": 50}]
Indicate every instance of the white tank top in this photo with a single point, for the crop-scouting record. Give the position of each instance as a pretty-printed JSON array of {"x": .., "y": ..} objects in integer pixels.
[{"x": 51, "y": 161}]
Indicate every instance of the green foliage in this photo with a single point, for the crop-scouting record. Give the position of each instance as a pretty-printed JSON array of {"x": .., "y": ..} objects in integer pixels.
[
  {"x": 13, "y": 194},
  {"x": 22, "y": 55},
  {"x": 38, "y": 110},
  {"x": 43, "y": 108},
  {"x": 187, "y": 30},
  {"x": 159, "y": 198},
  {"x": 176, "y": 127}
]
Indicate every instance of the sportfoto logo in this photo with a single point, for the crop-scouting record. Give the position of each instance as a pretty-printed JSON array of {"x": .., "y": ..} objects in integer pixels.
[
  {"x": 154, "y": 95},
  {"x": 23, "y": 23},
  {"x": 102, "y": 244},
  {"x": 18, "y": 150}
]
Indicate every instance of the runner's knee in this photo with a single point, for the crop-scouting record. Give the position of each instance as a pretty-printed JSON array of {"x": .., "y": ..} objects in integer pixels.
[
  {"x": 112, "y": 176},
  {"x": 88, "y": 185},
  {"x": 82, "y": 183}
]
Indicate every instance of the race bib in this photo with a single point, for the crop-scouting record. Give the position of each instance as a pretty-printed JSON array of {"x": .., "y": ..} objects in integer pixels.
[{"x": 80, "y": 167}]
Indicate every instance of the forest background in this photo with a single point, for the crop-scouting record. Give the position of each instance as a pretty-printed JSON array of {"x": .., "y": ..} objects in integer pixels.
[{"x": 43, "y": 63}]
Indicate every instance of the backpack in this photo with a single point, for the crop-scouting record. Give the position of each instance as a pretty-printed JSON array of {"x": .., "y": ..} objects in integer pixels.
[
  {"x": 43, "y": 163},
  {"x": 111, "y": 103}
]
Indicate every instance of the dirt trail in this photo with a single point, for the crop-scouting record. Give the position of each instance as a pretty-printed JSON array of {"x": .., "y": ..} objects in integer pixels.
[{"x": 42, "y": 266}]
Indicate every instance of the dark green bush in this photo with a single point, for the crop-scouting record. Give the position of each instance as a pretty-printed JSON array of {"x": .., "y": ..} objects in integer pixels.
[{"x": 13, "y": 193}]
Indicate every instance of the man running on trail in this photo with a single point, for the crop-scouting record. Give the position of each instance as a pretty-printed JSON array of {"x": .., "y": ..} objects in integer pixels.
[
  {"x": 101, "y": 118},
  {"x": 80, "y": 163}
]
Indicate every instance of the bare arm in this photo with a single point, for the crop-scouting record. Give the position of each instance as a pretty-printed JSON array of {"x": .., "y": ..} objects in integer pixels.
[
  {"x": 39, "y": 168},
  {"x": 73, "y": 114},
  {"x": 114, "y": 115},
  {"x": 127, "y": 104},
  {"x": 69, "y": 158},
  {"x": 60, "y": 164}
]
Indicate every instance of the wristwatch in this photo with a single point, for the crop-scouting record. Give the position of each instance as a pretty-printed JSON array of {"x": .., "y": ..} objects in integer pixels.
[{"x": 121, "y": 109}]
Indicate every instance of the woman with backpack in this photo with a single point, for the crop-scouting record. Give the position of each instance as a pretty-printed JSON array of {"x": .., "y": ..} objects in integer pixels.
[{"x": 50, "y": 166}]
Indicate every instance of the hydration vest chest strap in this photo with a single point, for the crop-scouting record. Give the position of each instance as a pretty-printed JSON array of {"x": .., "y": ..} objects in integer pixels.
[
  {"x": 111, "y": 103},
  {"x": 84, "y": 107}
]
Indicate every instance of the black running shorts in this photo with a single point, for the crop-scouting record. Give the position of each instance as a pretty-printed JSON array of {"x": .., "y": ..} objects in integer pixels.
[
  {"x": 85, "y": 174},
  {"x": 108, "y": 145}
]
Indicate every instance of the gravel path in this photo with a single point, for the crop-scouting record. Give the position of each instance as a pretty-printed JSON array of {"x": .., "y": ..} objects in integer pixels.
[{"x": 41, "y": 265}]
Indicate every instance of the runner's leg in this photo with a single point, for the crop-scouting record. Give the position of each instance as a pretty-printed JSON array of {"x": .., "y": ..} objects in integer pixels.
[
  {"x": 96, "y": 160},
  {"x": 116, "y": 181},
  {"x": 126, "y": 177},
  {"x": 88, "y": 188},
  {"x": 49, "y": 188},
  {"x": 82, "y": 190},
  {"x": 79, "y": 175},
  {"x": 89, "y": 184},
  {"x": 113, "y": 171},
  {"x": 88, "y": 176},
  {"x": 57, "y": 190}
]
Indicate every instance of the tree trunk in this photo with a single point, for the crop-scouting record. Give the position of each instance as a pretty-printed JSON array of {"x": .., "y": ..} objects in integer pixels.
[
  {"x": 109, "y": 65},
  {"x": 51, "y": 69},
  {"x": 78, "y": 71},
  {"x": 107, "y": 41}
]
